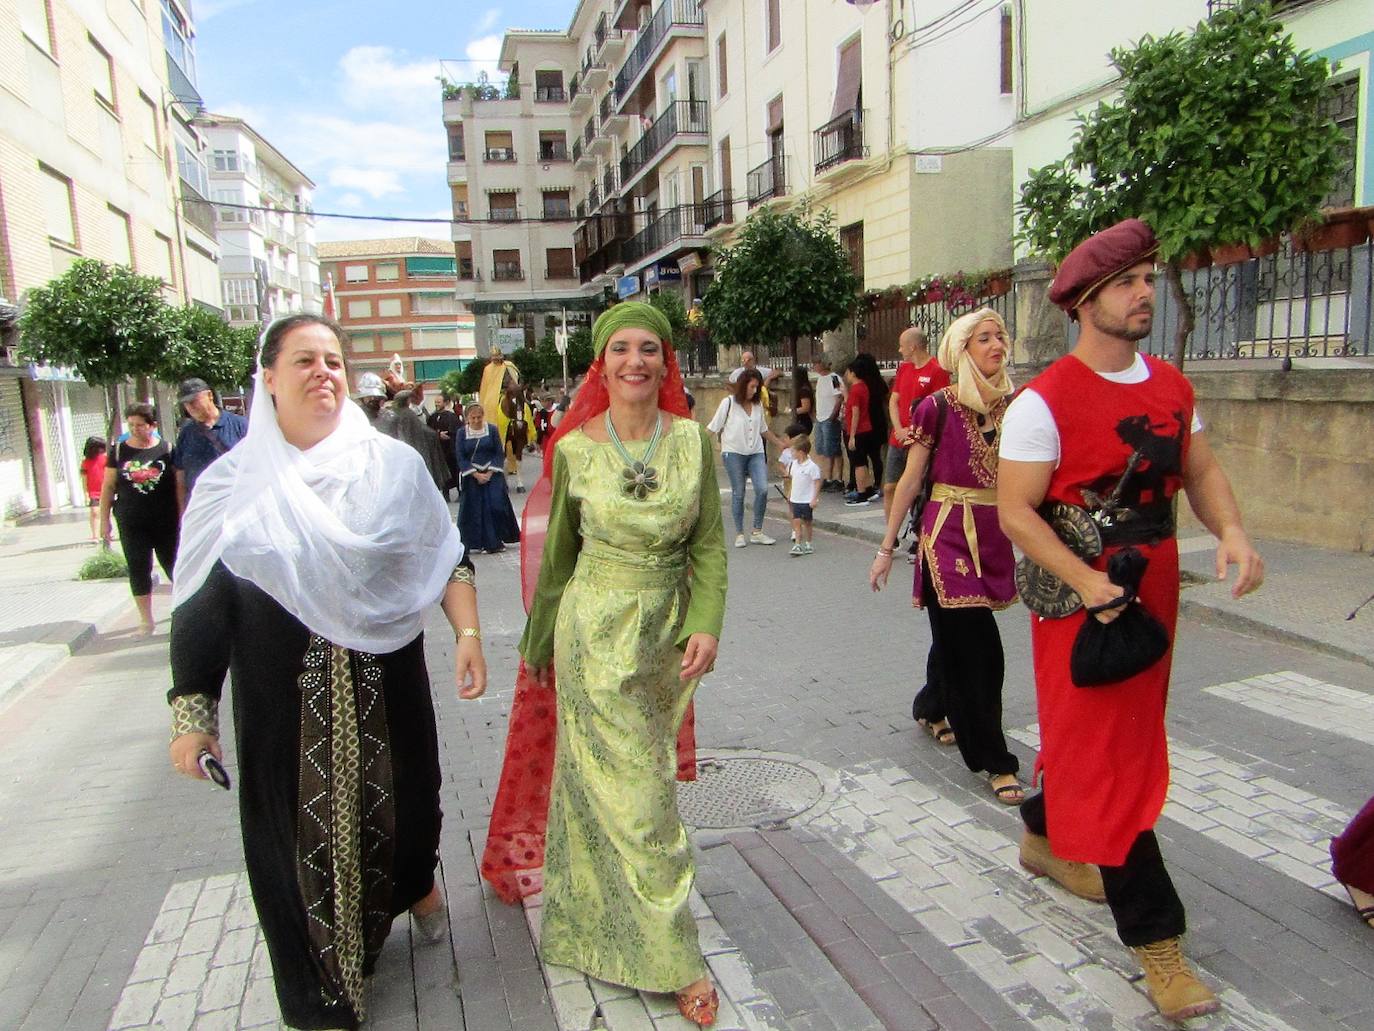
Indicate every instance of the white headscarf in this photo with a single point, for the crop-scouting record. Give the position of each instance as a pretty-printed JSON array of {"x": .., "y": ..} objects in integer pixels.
[
  {"x": 954, "y": 358},
  {"x": 350, "y": 536}
]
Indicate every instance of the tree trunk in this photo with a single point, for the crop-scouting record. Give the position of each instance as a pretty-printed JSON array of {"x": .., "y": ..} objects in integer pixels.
[
  {"x": 1185, "y": 312},
  {"x": 112, "y": 409}
]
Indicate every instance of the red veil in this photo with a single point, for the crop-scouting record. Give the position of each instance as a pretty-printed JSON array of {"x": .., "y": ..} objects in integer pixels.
[{"x": 514, "y": 854}]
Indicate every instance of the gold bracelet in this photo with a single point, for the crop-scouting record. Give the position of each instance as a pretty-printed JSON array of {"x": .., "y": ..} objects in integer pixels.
[
  {"x": 464, "y": 575},
  {"x": 885, "y": 552},
  {"x": 469, "y": 631}
]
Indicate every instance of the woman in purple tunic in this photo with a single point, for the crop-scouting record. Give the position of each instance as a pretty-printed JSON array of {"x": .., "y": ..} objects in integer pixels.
[{"x": 964, "y": 568}]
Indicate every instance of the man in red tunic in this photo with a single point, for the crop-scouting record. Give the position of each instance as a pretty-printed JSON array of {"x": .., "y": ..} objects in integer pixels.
[{"x": 1070, "y": 438}]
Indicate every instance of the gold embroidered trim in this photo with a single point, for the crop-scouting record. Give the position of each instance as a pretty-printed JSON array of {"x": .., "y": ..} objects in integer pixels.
[
  {"x": 195, "y": 714},
  {"x": 464, "y": 575}
]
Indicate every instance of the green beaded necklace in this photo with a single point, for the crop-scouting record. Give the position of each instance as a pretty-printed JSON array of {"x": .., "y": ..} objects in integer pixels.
[{"x": 640, "y": 476}]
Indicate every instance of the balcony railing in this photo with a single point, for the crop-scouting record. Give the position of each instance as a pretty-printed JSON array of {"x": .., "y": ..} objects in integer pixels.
[
  {"x": 501, "y": 154},
  {"x": 466, "y": 269},
  {"x": 594, "y": 196},
  {"x": 504, "y": 272},
  {"x": 577, "y": 149},
  {"x": 838, "y": 140},
  {"x": 682, "y": 116},
  {"x": 550, "y": 95},
  {"x": 672, "y": 225},
  {"x": 610, "y": 182},
  {"x": 767, "y": 180},
  {"x": 562, "y": 212},
  {"x": 504, "y": 214},
  {"x": 669, "y": 14},
  {"x": 599, "y": 242},
  {"x": 553, "y": 152},
  {"x": 719, "y": 209},
  {"x": 589, "y": 130}
]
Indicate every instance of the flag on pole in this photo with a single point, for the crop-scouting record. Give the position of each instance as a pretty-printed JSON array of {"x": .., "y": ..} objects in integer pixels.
[{"x": 331, "y": 305}]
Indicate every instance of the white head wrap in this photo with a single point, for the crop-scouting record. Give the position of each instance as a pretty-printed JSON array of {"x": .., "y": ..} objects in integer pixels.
[
  {"x": 954, "y": 358},
  {"x": 351, "y": 537}
]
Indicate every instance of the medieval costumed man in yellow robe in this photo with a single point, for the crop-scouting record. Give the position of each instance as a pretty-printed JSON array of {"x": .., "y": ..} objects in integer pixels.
[{"x": 495, "y": 377}]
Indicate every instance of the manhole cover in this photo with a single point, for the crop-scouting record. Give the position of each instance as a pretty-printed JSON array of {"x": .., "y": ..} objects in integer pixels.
[{"x": 744, "y": 791}]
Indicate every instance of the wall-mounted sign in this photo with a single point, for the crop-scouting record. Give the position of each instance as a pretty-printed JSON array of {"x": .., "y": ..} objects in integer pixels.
[
  {"x": 930, "y": 163},
  {"x": 689, "y": 262},
  {"x": 626, "y": 286},
  {"x": 508, "y": 339}
]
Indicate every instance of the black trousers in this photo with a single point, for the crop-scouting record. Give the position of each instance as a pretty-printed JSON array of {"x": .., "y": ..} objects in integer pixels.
[
  {"x": 140, "y": 542},
  {"x": 964, "y": 673},
  {"x": 868, "y": 450},
  {"x": 1142, "y": 898}
]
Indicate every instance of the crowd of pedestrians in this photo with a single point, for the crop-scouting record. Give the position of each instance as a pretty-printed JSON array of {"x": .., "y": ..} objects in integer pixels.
[{"x": 315, "y": 538}]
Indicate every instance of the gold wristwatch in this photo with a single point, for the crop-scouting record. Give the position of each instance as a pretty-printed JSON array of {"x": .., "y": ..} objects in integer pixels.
[{"x": 469, "y": 631}]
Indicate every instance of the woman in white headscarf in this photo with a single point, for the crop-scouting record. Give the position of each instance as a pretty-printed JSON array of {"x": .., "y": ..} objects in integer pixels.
[
  {"x": 311, "y": 555},
  {"x": 965, "y": 568}
]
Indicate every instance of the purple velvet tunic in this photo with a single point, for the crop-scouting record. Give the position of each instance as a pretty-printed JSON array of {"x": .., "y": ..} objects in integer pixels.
[{"x": 963, "y": 459}]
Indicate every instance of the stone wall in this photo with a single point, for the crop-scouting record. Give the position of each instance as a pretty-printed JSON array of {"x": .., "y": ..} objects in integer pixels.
[{"x": 1297, "y": 447}]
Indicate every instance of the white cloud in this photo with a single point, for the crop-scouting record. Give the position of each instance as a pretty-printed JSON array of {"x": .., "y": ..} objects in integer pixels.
[
  {"x": 379, "y": 79},
  {"x": 482, "y": 54},
  {"x": 375, "y": 182},
  {"x": 488, "y": 20},
  {"x": 350, "y": 200}
]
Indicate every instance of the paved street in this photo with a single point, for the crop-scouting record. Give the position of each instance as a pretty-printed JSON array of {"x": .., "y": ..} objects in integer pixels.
[{"x": 851, "y": 873}]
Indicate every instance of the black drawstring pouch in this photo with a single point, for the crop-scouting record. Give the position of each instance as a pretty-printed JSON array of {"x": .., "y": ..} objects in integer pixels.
[{"x": 1107, "y": 653}]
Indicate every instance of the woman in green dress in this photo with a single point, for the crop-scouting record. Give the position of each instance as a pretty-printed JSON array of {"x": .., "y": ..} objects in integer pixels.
[{"x": 625, "y": 616}]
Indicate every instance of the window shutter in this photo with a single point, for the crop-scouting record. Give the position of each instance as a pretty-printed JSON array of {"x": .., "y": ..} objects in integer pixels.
[{"x": 848, "y": 78}]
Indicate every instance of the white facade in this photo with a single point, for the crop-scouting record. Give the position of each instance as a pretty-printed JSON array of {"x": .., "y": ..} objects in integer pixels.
[{"x": 270, "y": 265}]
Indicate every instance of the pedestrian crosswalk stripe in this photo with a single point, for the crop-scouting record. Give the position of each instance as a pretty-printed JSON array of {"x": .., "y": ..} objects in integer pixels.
[{"x": 1296, "y": 698}]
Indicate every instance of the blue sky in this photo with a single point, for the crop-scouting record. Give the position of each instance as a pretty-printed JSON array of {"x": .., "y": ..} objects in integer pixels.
[{"x": 348, "y": 92}]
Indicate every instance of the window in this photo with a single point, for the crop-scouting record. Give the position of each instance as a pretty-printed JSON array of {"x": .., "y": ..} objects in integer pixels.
[
  {"x": 228, "y": 214},
  {"x": 33, "y": 22},
  {"x": 355, "y": 273},
  {"x": 506, "y": 265},
  {"x": 388, "y": 307},
  {"x": 390, "y": 343},
  {"x": 166, "y": 266},
  {"x": 190, "y": 168},
  {"x": 725, "y": 183},
  {"x": 227, "y": 161},
  {"x": 456, "y": 151},
  {"x": 773, "y": 30},
  {"x": 388, "y": 271},
  {"x": 147, "y": 123},
  {"x": 176, "y": 38},
  {"x": 500, "y": 146},
  {"x": 241, "y": 291},
  {"x": 848, "y": 79},
  {"x": 57, "y": 205},
  {"x": 722, "y": 76},
  {"x": 102, "y": 73},
  {"x": 1006, "y": 50},
  {"x": 502, "y": 207},
  {"x": 559, "y": 263},
  {"x": 852, "y": 240},
  {"x": 1342, "y": 106},
  {"x": 553, "y": 146},
  {"x": 548, "y": 87},
  {"x": 433, "y": 304},
  {"x": 429, "y": 268},
  {"x": 121, "y": 244},
  {"x": 240, "y": 313},
  {"x": 360, "y": 309},
  {"x": 557, "y": 204}
]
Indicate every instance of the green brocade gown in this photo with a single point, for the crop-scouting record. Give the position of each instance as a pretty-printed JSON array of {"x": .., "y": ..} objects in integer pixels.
[{"x": 623, "y": 584}]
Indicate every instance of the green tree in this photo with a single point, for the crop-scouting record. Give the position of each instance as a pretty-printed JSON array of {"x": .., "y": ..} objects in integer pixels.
[
  {"x": 1218, "y": 137},
  {"x": 670, "y": 304},
  {"x": 786, "y": 276},
  {"x": 204, "y": 345},
  {"x": 452, "y": 385},
  {"x": 104, "y": 321}
]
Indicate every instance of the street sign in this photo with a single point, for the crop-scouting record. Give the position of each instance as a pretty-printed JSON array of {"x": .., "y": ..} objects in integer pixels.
[{"x": 626, "y": 286}]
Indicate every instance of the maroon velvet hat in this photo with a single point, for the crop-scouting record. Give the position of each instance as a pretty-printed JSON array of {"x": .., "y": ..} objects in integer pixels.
[{"x": 1098, "y": 258}]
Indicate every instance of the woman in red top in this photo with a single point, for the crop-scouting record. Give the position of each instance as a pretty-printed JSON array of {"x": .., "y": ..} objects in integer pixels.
[
  {"x": 93, "y": 472},
  {"x": 865, "y": 425}
]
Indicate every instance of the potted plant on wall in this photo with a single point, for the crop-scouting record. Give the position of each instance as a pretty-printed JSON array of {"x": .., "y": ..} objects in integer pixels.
[{"x": 1336, "y": 230}]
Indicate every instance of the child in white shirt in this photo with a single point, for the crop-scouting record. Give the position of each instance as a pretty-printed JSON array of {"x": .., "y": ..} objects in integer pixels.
[{"x": 804, "y": 493}]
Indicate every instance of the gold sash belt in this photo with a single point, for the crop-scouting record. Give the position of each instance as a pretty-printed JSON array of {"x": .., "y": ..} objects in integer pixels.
[{"x": 948, "y": 496}]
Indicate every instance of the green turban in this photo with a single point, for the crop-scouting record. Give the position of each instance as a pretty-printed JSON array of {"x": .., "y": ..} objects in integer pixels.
[{"x": 630, "y": 315}]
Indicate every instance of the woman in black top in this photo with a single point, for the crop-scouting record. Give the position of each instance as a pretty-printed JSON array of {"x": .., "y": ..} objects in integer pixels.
[{"x": 140, "y": 484}]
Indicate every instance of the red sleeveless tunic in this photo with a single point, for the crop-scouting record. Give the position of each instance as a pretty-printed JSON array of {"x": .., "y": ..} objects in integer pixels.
[{"x": 1103, "y": 751}]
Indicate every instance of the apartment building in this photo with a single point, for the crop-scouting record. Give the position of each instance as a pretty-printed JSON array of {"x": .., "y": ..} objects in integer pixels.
[
  {"x": 889, "y": 119},
  {"x": 269, "y": 262},
  {"x": 100, "y": 157},
  {"x": 399, "y": 298}
]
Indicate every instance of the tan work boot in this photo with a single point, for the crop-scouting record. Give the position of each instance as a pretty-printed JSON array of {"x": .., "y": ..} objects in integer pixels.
[
  {"x": 1174, "y": 988},
  {"x": 1082, "y": 879}
]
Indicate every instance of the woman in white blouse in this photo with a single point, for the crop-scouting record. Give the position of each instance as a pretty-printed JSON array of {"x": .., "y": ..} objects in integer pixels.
[{"x": 741, "y": 424}]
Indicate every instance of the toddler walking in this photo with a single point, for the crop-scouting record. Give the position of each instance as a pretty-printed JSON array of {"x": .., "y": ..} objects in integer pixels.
[{"x": 804, "y": 493}]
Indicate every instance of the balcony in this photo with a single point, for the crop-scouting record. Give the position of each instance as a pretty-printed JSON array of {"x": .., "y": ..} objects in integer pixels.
[
  {"x": 466, "y": 269},
  {"x": 589, "y": 131},
  {"x": 457, "y": 173},
  {"x": 683, "y": 117},
  {"x": 582, "y": 149},
  {"x": 669, "y": 228},
  {"x": 767, "y": 180},
  {"x": 839, "y": 140},
  {"x": 719, "y": 210},
  {"x": 511, "y": 214},
  {"x": 501, "y": 155},
  {"x": 598, "y": 243},
  {"x": 673, "y": 17},
  {"x": 550, "y": 95},
  {"x": 507, "y": 272},
  {"x": 277, "y": 277},
  {"x": 609, "y": 42},
  {"x": 197, "y": 210},
  {"x": 594, "y": 197},
  {"x": 610, "y": 182},
  {"x": 577, "y": 150},
  {"x": 595, "y": 72},
  {"x": 553, "y": 151},
  {"x": 579, "y": 96}
]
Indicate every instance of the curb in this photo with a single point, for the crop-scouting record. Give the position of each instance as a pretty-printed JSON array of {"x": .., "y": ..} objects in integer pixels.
[
  {"x": 57, "y": 652},
  {"x": 1200, "y": 610}
]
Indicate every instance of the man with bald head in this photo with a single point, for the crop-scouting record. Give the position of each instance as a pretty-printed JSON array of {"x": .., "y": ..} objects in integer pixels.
[{"x": 918, "y": 376}]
